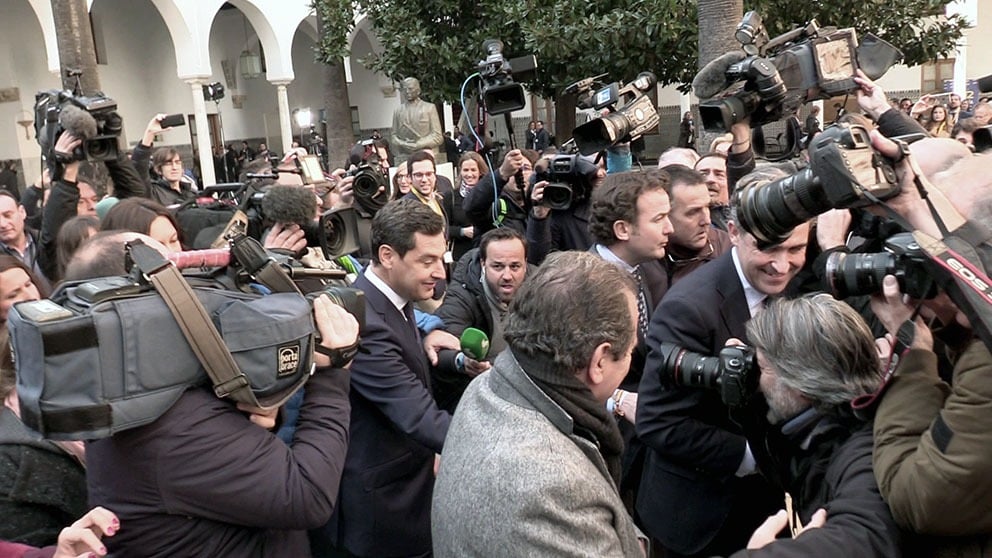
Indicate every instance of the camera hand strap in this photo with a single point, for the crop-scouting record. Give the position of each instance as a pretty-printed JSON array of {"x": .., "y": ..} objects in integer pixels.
[{"x": 195, "y": 323}]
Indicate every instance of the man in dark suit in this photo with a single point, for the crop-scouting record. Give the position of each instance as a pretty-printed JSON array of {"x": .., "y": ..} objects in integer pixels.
[
  {"x": 397, "y": 430},
  {"x": 697, "y": 456}
]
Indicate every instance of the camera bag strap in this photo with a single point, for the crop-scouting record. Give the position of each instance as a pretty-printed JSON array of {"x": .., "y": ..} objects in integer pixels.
[{"x": 195, "y": 323}]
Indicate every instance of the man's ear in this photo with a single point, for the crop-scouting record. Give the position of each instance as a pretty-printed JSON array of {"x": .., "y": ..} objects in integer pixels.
[
  {"x": 387, "y": 256},
  {"x": 594, "y": 374},
  {"x": 621, "y": 230},
  {"x": 734, "y": 232}
]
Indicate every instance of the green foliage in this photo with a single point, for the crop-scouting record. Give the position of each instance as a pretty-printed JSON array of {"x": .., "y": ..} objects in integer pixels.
[
  {"x": 336, "y": 19},
  {"x": 917, "y": 27},
  {"x": 440, "y": 41}
]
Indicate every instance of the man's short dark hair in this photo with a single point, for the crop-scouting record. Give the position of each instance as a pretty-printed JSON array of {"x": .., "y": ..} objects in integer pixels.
[
  {"x": 396, "y": 223},
  {"x": 616, "y": 200},
  {"x": 681, "y": 175},
  {"x": 9, "y": 195},
  {"x": 422, "y": 155},
  {"x": 497, "y": 235},
  {"x": 545, "y": 320}
]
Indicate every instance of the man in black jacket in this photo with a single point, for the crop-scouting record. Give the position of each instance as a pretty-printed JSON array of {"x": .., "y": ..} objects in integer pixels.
[
  {"x": 480, "y": 293},
  {"x": 206, "y": 478},
  {"x": 812, "y": 444}
]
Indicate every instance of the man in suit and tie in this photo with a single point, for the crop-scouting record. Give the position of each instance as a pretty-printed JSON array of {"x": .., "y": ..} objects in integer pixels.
[
  {"x": 697, "y": 456},
  {"x": 397, "y": 430}
]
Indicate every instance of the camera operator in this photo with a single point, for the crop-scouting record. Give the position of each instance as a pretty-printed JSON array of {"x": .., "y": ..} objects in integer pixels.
[
  {"x": 503, "y": 198},
  {"x": 560, "y": 229},
  {"x": 205, "y": 478},
  {"x": 811, "y": 442},
  {"x": 696, "y": 454}
]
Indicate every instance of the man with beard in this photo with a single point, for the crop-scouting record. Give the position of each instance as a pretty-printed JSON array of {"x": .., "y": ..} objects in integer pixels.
[{"x": 482, "y": 286}]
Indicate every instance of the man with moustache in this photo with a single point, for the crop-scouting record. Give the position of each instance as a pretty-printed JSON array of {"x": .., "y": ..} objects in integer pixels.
[
  {"x": 482, "y": 287},
  {"x": 696, "y": 454}
]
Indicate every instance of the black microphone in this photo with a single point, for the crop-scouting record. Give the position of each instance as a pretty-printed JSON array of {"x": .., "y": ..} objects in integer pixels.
[
  {"x": 78, "y": 122},
  {"x": 290, "y": 204},
  {"x": 712, "y": 79}
]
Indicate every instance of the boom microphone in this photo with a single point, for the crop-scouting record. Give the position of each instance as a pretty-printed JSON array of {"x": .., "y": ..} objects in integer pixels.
[
  {"x": 201, "y": 258},
  {"x": 78, "y": 122},
  {"x": 290, "y": 204},
  {"x": 712, "y": 79}
]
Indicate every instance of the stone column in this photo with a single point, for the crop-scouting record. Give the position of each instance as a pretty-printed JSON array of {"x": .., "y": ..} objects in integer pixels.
[
  {"x": 203, "y": 147},
  {"x": 285, "y": 124}
]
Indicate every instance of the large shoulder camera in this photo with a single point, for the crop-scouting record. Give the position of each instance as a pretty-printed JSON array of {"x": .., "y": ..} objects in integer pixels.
[
  {"x": 734, "y": 372},
  {"x": 570, "y": 181},
  {"x": 500, "y": 94},
  {"x": 862, "y": 274},
  {"x": 91, "y": 118},
  {"x": 775, "y": 77},
  {"x": 844, "y": 172},
  {"x": 632, "y": 112}
]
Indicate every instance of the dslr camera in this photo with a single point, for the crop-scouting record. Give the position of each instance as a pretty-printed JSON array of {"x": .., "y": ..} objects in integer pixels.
[
  {"x": 632, "y": 112},
  {"x": 372, "y": 187},
  {"x": 570, "y": 181},
  {"x": 844, "y": 172},
  {"x": 773, "y": 78},
  {"x": 91, "y": 118},
  {"x": 499, "y": 93},
  {"x": 862, "y": 274},
  {"x": 734, "y": 372}
]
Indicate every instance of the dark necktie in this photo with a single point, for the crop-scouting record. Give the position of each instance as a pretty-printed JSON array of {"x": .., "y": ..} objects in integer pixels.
[
  {"x": 411, "y": 320},
  {"x": 642, "y": 304}
]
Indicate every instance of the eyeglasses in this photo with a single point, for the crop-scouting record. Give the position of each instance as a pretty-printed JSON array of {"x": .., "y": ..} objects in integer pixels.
[
  {"x": 423, "y": 175},
  {"x": 687, "y": 261},
  {"x": 173, "y": 163}
]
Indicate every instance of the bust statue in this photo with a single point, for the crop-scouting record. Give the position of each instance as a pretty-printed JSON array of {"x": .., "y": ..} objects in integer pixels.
[{"x": 416, "y": 125}]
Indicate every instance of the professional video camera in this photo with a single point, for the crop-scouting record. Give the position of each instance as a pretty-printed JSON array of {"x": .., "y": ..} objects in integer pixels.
[
  {"x": 372, "y": 187},
  {"x": 142, "y": 340},
  {"x": 570, "y": 177},
  {"x": 734, "y": 372},
  {"x": 844, "y": 171},
  {"x": 90, "y": 118},
  {"x": 500, "y": 94},
  {"x": 632, "y": 112},
  {"x": 862, "y": 274},
  {"x": 771, "y": 79}
]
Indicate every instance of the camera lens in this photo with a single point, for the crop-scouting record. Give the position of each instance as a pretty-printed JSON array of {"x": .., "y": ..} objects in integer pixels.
[
  {"x": 771, "y": 210},
  {"x": 558, "y": 195},
  {"x": 370, "y": 188},
  {"x": 685, "y": 368},
  {"x": 858, "y": 274}
]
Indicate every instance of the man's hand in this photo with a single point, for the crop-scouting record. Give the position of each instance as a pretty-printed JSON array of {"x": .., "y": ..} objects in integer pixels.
[
  {"x": 511, "y": 164},
  {"x": 82, "y": 538},
  {"x": 266, "y": 418},
  {"x": 539, "y": 210},
  {"x": 64, "y": 147},
  {"x": 832, "y": 227},
  {"x": 285, "y": 236},
  {"x": 437, "y": 340},
  {"x": 871, "y": 98},
  {"x": 475, "y": 367},
  {"x": 892, "y": 310},
  {"x": 767, "y": 532},
  {"x": 338, "y": 329},
  {"x": 742, "y": 136},
  {"x": 468, "y": 232},
  {"x": 153, "y": 129},
  {"x": 344, "y": 186}
]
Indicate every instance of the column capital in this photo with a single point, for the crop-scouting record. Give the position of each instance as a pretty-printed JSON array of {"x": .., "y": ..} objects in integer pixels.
[
  {"x": 195, "y": 80},
  {"x": 280, "y": 82}
]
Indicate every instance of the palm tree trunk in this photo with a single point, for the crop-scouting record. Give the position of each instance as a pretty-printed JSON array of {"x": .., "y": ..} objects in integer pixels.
[
  {"x": 337, "y": 107},
  {"x": 718, "y": 20},
  {"x": 75, "y": 40}
]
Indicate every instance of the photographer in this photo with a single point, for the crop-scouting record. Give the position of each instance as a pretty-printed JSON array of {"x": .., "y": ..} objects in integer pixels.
[
  {"x": 549, "y": 230},
  {"x": 812, "y": 444},
  {"x": 169, "y": 186},
  {"x": 205, "y": 478}
]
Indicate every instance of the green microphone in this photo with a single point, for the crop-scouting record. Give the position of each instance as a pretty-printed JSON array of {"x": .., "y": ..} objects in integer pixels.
[{"x": 475, "y": 343}]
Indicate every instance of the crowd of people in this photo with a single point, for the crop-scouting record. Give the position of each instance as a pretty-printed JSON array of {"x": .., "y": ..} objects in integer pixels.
[{"x": 621, "y": 306}]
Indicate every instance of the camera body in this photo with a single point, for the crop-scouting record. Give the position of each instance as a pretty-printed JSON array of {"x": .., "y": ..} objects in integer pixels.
[
  {"x": 50, "y": 122},
  {"x": 632, "y": 114},
  {"x": 779, "y": 75},
  {"x": 372, "y": 188},
  {"x": 862, "y": 274},
  {"x": 844, "y": 172},
  {"x": 500, "y": 94},
  {"x": 733, "y": 372},
  {"x": 570, "y": 181}
]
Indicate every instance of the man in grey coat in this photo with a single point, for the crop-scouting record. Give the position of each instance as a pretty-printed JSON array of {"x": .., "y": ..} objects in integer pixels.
[{"x": 532, "y": 458}]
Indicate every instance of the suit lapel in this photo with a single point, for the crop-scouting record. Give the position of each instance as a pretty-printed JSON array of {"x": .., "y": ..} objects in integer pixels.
[
  {"x": 406, "y": 334},
  {"x": 733, "y": 304}
]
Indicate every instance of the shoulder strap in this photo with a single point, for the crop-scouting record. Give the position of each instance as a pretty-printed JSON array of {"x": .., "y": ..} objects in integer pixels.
[{"x": 195, "y": 323}]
